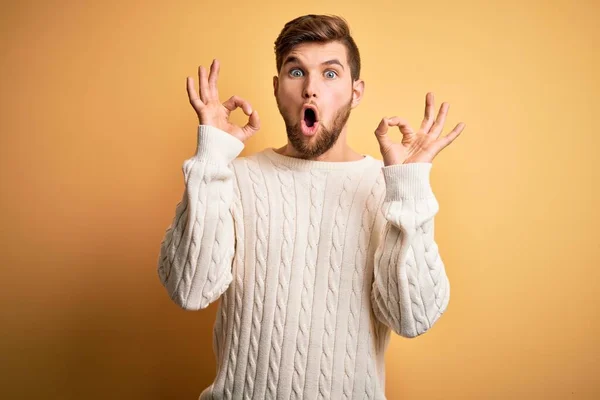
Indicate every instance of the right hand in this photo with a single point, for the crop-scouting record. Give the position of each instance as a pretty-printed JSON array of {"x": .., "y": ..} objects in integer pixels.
[{"x": 210, "y": 110}]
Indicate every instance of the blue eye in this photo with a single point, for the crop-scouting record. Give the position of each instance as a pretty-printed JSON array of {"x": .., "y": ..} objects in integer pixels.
[
  {"x": 333, "y": 72},
  {"x": 292, "y": 73}
]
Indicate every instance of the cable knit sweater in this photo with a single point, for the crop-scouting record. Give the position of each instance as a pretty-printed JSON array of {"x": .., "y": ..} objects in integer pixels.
[{"x": 314, "y": 264}]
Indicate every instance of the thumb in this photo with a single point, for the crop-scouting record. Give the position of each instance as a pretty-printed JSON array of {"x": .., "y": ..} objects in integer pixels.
[
  {"x": 381, "y": 133},
  {"x": 253, "y": 124}
]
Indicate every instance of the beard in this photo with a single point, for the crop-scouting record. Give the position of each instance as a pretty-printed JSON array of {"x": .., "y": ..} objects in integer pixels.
[{"x": 324, "y": 138}]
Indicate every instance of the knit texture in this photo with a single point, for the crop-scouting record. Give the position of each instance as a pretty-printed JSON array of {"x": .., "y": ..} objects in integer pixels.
[{"x": 314, "y": 264}]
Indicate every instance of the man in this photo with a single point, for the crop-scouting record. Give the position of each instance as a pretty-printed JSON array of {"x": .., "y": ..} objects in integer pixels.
[{"x": 316, "y": 251}]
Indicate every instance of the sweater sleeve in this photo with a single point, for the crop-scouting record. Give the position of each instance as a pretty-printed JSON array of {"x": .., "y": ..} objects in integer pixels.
[
  {"x": 410, "y": 288},
  {"x": 197, "y": 249}
]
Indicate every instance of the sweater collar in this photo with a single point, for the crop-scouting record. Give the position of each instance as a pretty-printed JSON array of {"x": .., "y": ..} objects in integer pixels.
[{"x": 305, "y": 165}]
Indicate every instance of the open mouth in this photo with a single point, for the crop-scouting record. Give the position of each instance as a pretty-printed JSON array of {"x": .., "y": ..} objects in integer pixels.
[
  {"x": 309, "y": 123},
  {"x": 310, "y": 118}
]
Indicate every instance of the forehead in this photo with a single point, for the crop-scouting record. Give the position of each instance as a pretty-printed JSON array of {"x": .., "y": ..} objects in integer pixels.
[{"x": 316, "y": 53}]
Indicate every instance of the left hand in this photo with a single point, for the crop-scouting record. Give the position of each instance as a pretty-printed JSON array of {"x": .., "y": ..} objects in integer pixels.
[{"x": 421, "y": 146}]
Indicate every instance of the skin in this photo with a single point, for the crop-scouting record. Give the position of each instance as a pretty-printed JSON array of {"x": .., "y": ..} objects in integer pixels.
[
  {"x": 420, "y": 146},
  {"x": 327, "y": 86},
  {"x": 330, "y": 88}
]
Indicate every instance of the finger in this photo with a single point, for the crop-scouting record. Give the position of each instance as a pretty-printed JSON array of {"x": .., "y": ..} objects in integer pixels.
[
  {"x": 438, "y": 126},
  {"x": 402, "y": 124},
  {"x": 253, "y": 124},
  {"x": 204, "y": 92},
  {"x": 429, "y": 109},
  {"x": 381, "y": 133},
  {"x": 449, "y": 138},
  {"x": 235, "y": 102},
  {"x": 192, "y": 94},
  {"x": 212, "y": 80}
]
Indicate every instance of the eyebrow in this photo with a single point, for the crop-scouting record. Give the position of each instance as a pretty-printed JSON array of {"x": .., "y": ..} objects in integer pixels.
[{"x": 295, "y": 60}]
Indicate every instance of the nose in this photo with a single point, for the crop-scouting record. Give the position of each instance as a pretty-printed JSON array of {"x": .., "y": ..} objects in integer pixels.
[{"x": 309, "y": 89}]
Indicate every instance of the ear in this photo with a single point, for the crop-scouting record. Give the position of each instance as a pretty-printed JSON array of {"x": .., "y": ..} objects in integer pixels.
[
  {"x": 358, "y": 89},
  {"x": 275, "y": 85}
]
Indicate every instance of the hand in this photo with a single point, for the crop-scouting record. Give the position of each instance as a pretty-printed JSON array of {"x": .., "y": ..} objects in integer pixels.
[
  {"x": 421, "y": 146},
  {"x": 210, "y": 110}
]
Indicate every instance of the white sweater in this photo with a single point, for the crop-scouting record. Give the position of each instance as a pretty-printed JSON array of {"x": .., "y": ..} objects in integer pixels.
[{"x": 314, "y": 264}]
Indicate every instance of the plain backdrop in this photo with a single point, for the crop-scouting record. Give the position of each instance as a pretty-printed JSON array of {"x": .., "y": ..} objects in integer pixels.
[{"x": 95, "y": 126}]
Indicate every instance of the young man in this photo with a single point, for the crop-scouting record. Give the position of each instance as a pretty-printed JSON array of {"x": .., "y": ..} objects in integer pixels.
[{"x": 316, "y": 251}]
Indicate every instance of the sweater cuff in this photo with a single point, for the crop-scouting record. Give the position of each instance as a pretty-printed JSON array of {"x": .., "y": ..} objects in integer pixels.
[
  {"x": 407, "y": 181},
  {"x": 215, "y": 145}
]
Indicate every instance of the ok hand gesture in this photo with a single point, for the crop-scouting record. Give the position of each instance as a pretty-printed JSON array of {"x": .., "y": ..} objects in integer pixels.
[
  {"x": 210, "y": 110},
  {"x": 421, "y": 146}
]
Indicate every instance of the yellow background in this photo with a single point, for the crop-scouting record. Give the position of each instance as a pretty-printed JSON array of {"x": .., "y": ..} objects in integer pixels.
[{"x": 95, "y": 125}]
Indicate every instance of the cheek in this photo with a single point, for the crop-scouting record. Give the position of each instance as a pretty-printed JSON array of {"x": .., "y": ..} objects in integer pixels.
[
  {"x": 342, "y": 97},
  {"x": 334, "y": 103},
  {"x": 286, "y": 94},
  {"x": 288, "y": 88}
]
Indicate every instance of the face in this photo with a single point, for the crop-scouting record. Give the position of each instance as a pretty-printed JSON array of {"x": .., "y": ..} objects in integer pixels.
[{"x": 317, "y": 74}]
